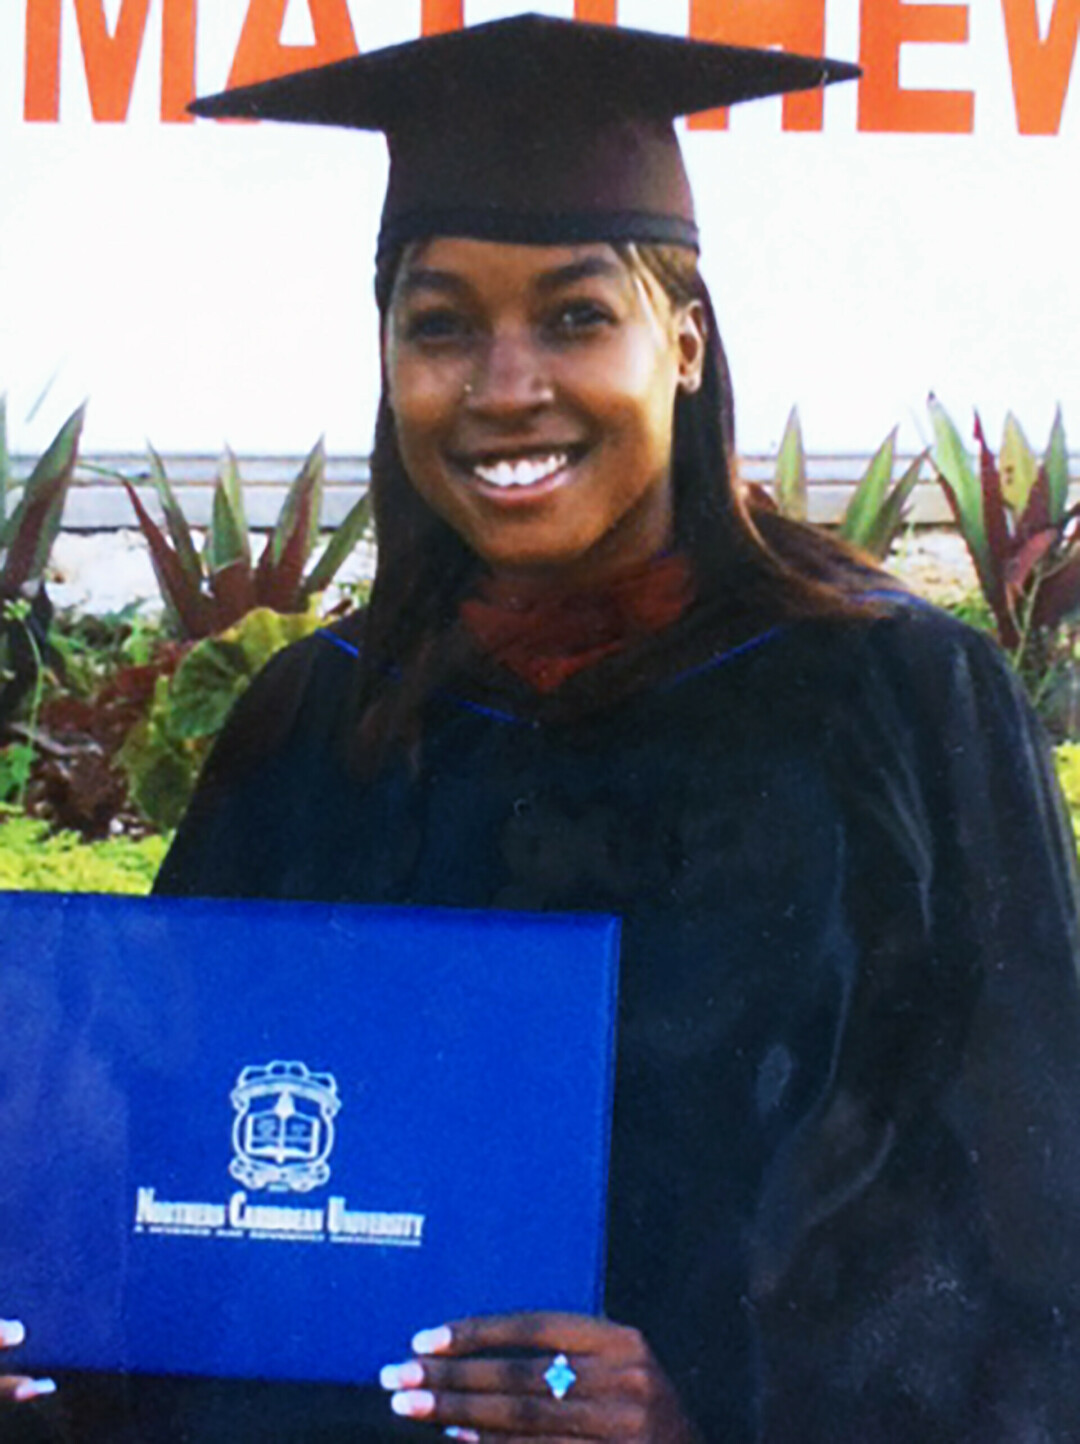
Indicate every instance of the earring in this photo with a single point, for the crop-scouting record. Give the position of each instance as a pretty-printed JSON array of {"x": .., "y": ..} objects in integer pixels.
[{"x": 468, "y": 390}]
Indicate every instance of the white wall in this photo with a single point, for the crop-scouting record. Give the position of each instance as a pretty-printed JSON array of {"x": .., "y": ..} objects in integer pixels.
[{"x": 202, "y": 283}]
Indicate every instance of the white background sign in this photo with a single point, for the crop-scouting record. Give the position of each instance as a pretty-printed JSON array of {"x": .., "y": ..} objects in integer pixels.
[{"x": 204, "y": 283}]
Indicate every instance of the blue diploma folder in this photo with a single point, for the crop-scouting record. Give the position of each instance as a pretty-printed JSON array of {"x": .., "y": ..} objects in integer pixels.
[{"x": 268, "y": 1140}]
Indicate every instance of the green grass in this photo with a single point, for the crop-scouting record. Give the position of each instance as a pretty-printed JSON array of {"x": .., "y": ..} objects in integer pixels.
[{"x": 33, "y": 860}]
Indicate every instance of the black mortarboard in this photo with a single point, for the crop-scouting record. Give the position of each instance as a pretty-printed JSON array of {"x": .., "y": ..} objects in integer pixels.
[{"x": 532, "y": 129}]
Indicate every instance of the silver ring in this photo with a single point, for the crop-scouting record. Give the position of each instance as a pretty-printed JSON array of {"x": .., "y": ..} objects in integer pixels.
[{"x": 560, "y": 1377}]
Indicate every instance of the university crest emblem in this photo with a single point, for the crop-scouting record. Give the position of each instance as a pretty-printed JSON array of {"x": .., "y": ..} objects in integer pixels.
[{"x": 284, "y": 1127}]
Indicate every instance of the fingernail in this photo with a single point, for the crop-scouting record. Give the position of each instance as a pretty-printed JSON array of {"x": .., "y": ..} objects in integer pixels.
[
  {"x": 431, "y": 1341},
  {"x": 34, "y": 1389},
  {"x": 12, "y": 1333},
  {"x": 401, "y": 1376},
  {"x": 413, "y": 1404},
  {"x": 467, "y": 1436}
]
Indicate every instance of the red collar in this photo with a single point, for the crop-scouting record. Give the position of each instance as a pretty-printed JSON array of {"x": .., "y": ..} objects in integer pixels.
[{"x": 547, "y": 640}]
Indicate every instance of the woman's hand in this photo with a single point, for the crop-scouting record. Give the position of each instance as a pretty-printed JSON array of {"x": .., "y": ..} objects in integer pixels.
[
  {"x": 18, "y": 1388},
  {"x": 580, "y": 1378}
]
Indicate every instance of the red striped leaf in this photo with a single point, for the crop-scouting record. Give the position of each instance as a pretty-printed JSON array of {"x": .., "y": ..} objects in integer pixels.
[{"x": 190, "y": 607}]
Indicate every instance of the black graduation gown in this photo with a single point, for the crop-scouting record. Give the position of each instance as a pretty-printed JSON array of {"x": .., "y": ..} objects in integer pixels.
[{"x": 845, "y": 1182}]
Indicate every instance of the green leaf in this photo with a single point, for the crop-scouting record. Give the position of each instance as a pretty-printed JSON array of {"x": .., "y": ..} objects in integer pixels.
[
  {"x": 1018, "y": 465},
  {"x": 790, "y": 476},
  {"x": 955, "y": 467},
  {"x": 227, "y": 541},
  {"x": 860, "y": 517},
  {"x": 893, "y": 514},
  {"x": 1056, "y": 464},
  {"x": 264, "y": 631},
  {"x": 352, "y": 529},
  {"x": 16, "y": 764},
  {"x": 204, "y": 688},
  {"x": 31, "y": 530},
  {"x": 161, "y": 772},
  {"x": 175, "y": 520}
]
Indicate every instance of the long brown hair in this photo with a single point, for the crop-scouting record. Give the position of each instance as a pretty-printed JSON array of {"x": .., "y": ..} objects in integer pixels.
[{"x": 758, "y": 566}]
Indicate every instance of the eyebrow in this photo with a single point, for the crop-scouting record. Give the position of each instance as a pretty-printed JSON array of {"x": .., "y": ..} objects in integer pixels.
[
  {"x": 583, "y": 270},
  {"x": 422, "y": 278},
  {"x": 446, "y": 283}
]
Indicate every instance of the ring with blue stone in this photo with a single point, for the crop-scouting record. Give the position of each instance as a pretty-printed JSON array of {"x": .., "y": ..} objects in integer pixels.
[{"x": 560, "y": 1377}]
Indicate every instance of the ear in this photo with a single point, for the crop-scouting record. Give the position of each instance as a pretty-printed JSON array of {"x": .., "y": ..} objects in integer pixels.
[{"x": 693, "y": 332}]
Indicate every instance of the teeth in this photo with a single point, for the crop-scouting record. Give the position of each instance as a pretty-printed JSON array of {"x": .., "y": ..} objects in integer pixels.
[{"x": 525, "y": 472}]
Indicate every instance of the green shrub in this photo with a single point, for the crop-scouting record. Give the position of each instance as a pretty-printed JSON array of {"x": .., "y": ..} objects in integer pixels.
[
  {"x": 1067, "y": 757},
  {"x": 163, "y": 753},
  {"x": 33, "y": 860}
]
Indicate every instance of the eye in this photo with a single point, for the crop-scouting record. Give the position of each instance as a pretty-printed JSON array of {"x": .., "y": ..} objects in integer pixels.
[
  {"x": 580, "y": 318},
  {"x": 435, "y": 325}
]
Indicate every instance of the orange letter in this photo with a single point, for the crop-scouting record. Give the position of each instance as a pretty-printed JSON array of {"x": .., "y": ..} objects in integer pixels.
[
  {"x": 178, "y": 60},
  {"x": 797, "y": 25},
  {"x": 597, "y": 12},
  {"x": 888, "y": 24},
  {"x": 41, "y": 98},
  {"x": 1041, "y": 68},
  {"x": 437, "y": 16},
  {"x": 260, "y": 54},
  {"x": 110, "y": 60}
]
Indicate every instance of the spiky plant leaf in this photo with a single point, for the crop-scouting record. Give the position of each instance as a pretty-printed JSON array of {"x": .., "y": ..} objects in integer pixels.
[
  {"x": 31, "y": 530},
  {"x": 233, "y": 588},
  {"x": 1018, "y": 464},
  {"x": 352, "y": 528},
  {"x": 1027, "y": 556},
  {"x": 998, "y": 540},
  {"x": 280, "y": 572},
  {"x": 303, "y": 504},
  {"x": 1058, "y": 597},
  {"x": 188, "y": 607},
  {"x": 1056, "y": 464},
  {"x": 893, "y": 513},
  {"x": 791, "y": 470},
  {"x": 1036, "y": 517},
  {"x": 175, "y": 520},
  {"x": 227, "y": 541},
  {"x": 963, "y": 488},
  {"x": 869, "y": 496}
]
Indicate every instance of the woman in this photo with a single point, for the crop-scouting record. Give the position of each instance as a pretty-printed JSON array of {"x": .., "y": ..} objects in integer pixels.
[{"x": 844, "y": 1191}]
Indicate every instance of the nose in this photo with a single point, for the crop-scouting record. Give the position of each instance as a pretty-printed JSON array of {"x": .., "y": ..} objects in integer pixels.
[{"x": 510, "y": 377}]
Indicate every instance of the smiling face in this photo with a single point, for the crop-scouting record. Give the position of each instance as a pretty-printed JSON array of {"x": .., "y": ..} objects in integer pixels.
[{"x": 533, "y": 391}]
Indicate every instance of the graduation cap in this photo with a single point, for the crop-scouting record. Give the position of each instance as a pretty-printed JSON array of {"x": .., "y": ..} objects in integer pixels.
[{"x": 532, "y": 129}]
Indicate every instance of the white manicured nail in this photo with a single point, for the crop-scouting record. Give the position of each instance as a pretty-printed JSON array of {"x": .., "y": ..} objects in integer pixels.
[
  {"x": 34, "y": 1389},
  {"x": 432, "y": 1341},
  {"x": 467, "y": 1436},
  {"x": 12, "y": 1333},
  {"x": 413, "y": 1404},
  {"x": 402, "y": 1376}
]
